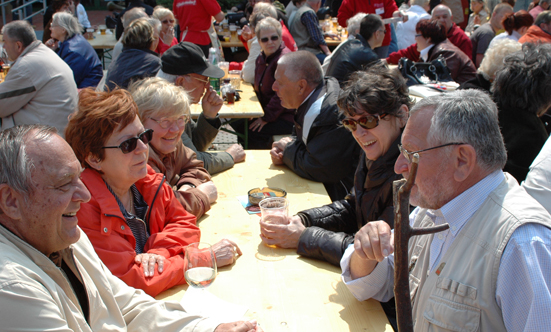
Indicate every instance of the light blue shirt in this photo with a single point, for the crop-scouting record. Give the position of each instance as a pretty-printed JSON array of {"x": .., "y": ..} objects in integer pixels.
[{"x": 524, "y": 277}]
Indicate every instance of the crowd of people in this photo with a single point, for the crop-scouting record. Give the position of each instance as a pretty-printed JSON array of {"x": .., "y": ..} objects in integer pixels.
[{"x": 103, "y": 174}]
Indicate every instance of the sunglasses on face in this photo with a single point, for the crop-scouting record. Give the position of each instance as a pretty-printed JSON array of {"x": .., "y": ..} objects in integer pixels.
[
  {"x": 167, "y": 122},
  {"x": 272, "y": 38},
  {"x": 167, "y": 21},
  {"x": 366, "y": 122},
  {"x": 130, "y": 144}
]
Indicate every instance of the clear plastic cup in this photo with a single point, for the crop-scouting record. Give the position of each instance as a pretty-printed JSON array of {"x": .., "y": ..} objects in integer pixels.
[
  {"x": 235, "y": 79},
  {"x": 275, "y": 210}
]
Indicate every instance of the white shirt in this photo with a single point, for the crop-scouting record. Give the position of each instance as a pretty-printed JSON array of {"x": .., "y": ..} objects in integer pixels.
[
  {"x": 405, "y": 31},
  {"x": 504, "y": 35},
  {"x": 425, "y": 52},
  {"x": 538, "y": 180},
  {"x": 82, "y": 16},
  {"x": 250, "y": 64},
  {"x": 523, "y": 282}
]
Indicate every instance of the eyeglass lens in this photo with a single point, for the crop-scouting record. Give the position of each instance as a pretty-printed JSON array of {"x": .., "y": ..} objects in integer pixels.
[
  {"x": 130, "y": 144},
  {"x": 166, "y": 123},
  {"x": 272, "y": 38},
  {"x": 366, "y": 122}
]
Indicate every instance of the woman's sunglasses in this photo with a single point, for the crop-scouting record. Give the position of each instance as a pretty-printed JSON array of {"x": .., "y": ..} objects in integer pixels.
[
  {"x": 167, "y": 21},
  {"x": 272, "y": 38},
  {"x": 130, "y": 144},
  {"x": 366, "y": 122}
]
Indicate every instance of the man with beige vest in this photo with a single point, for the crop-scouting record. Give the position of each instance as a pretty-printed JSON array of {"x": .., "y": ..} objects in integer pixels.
[{"x": 490, "y": 270}]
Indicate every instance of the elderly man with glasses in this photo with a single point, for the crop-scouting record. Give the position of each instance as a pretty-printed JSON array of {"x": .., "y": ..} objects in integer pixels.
[
  {"x": 185, "y": 65},
  {"x": 489, "y": 270}
]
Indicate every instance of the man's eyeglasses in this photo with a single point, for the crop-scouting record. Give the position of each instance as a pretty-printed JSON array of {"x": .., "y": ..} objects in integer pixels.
[
  {"x": 366, "y": 122},
  {"x": 272, "y": 38},
  {"x": 165, "y": 122},
  {"x": 167, "y": 21},
  {"x": 383, "y": 31},
  {"x": 408, "y": 154},
  {"x": 418, "y": 35},
  {"x": 130, "y": 144},
  {"x": 200, "y": 79}
]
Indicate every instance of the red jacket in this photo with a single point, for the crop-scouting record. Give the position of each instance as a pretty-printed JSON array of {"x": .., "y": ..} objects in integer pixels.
[
  {"x": 171, "y": 228},
  {"x": 535, "y": 35},
  {"x": 455, "y": 35},
  {"x": 384, "y": 8}
]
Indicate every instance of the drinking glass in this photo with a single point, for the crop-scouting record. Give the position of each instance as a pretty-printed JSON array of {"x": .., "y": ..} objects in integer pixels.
[
  {"x": 275, "y": 210},
  {"x": 199, "y": 265}
]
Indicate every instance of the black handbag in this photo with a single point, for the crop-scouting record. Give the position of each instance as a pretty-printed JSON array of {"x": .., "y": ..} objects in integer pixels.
[{"x": 424, "y": 72}]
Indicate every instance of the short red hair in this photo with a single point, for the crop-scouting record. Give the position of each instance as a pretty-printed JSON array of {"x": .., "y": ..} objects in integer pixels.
[{"x": 98, "y": 115}]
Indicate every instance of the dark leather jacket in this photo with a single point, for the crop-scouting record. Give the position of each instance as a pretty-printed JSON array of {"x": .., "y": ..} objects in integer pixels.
[
  {"x": 331, "y": 154},
  {"x": 330, "y": 228},
  {"x": 353, "y": 55},
  {"x": 460, "y": 65}
]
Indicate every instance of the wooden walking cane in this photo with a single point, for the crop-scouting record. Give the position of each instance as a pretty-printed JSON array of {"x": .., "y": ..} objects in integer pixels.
[{"x": 402, "y": 233}]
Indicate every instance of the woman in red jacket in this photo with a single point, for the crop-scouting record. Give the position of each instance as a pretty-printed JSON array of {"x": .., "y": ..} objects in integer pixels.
[{"x": 136, "y": 225}]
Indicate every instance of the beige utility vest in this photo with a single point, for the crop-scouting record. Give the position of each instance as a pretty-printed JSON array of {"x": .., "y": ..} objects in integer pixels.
[{"x": 459, "y": 295}]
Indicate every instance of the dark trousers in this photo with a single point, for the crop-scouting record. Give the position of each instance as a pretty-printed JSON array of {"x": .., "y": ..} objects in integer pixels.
[{"x": 263, "y": 139}]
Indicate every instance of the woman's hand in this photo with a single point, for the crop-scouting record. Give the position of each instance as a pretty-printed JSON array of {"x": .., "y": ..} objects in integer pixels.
[
  {"x": 148, "y": 262},
  {"x": 257, "y": 124},
  {"x": 52, "y": 44},
  {"x": 226, "y": 252},
  {"x": 209, "y": 189},
  {"x": 247, "y": 33},
  {"x": 476, "y": 20},
  {"x": 168, "y": 36}
]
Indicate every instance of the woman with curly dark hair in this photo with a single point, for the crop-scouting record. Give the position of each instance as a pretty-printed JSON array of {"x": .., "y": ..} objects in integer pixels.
[{"x": 521, "y": 92}]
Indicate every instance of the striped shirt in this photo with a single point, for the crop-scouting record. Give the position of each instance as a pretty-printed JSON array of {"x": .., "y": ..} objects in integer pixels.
[{"x": 137, "y": 222}]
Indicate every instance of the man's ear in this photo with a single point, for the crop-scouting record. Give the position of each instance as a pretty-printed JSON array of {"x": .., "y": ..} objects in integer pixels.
[
  {"x": 179, "y": 81},
  {"x": 93, "y": 161},
  {"x": 464, "y": 162},
  {"x": 11, "y": 202},
  {"x": 302, "y": 86},
  {"x": 403, "y": 116}
]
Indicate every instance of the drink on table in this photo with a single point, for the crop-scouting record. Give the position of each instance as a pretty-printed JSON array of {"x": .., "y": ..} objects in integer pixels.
[{"x": 275, "y": 210}]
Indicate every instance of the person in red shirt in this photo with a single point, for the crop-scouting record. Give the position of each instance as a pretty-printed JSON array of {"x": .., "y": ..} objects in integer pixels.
[
  {"x": 455, "y": 35},
  {"x": 195, "y": 19},
  {"x": 166, "y": 37},
  {"x": 383, "y": 8}
]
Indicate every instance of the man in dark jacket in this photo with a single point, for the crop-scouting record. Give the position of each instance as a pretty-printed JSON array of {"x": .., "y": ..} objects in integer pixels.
[
  {"x": 320, "y": 149},
  {"x": 356, "y": 54}
]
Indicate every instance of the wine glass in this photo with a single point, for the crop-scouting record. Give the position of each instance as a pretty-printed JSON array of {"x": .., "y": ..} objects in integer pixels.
[{"x": 199, "y": 265}]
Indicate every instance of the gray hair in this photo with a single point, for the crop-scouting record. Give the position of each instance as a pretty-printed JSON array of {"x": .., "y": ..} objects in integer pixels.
[
  {"x": 15, "y": 164},
  {"x": 493, "y": 58},
  {"x": 132, "y": 15},
  {"x": 156, "y": 24},
  {"x": 543, "y": 17},
  {"x": 267, "y": 23},
  {"x": 523, "y": 82},
  {"x": 68, "y": 22},
  {"x": 265, "y": 8},
  {"x": 20, "y": 31},
  {"x": 302, "y": 65},
  {"x": 155, "y": 96},
  {"x": 467, "y": 116},
  {"x": 353, "y": 23},
  {"x": 167, "y": 77}
]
